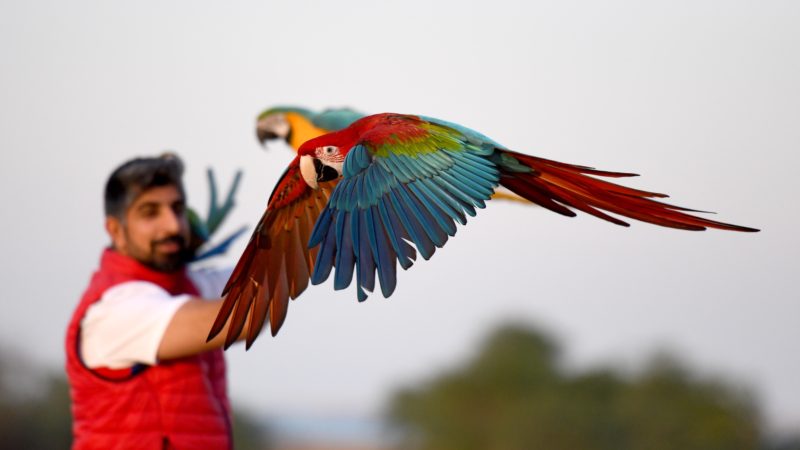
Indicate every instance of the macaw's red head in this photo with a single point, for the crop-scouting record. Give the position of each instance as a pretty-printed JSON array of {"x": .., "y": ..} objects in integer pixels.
[{"x": 321, "y": 158}]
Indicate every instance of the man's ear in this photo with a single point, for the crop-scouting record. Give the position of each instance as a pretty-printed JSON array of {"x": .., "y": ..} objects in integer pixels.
[{"x": 116, "y": 233}]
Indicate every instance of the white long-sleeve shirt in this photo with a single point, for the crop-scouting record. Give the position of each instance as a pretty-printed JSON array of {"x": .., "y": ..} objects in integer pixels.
[{"x": 125, "y": 326}]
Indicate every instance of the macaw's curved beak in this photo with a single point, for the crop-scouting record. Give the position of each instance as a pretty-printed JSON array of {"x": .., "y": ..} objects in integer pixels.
[
  {"x": 272, "y": 126},
  {"x": 325, "y": 173},
  {"x": 309, "y": 171},
  {"x": 314, "y": 171},
  {"x": 264, "y": 135}
]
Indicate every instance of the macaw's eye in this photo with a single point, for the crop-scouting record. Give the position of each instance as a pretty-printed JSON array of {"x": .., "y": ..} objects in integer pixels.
[{"x": 329, "y": 149}]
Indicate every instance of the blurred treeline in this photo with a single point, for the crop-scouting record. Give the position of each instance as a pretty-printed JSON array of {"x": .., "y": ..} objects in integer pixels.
[
  {"x": 514, "y": 395},
  {"x": 35, "y": 411}
]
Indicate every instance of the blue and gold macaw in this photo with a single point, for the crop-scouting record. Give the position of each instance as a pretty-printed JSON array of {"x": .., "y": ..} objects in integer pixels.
[{"x": 295, "y": 125}]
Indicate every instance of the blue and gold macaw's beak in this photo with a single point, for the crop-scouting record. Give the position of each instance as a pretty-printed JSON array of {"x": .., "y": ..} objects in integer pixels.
[{"x": 273, "y": 126}]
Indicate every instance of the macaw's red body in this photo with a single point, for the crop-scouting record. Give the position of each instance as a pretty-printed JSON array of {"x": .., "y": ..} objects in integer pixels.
[{"x": 368, "y": 197}]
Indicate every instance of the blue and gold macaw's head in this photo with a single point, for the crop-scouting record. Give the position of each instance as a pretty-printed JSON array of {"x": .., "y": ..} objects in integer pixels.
[
  {"x": 295, "y": 125},
  {"x": 276, "y": 123}
]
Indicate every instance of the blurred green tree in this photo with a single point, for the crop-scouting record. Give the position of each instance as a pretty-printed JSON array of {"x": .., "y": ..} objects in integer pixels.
[
  {"x": 513, "y": 395},
  {"x": 34, "y": 407},
  {"x": 35, "y": 411}
]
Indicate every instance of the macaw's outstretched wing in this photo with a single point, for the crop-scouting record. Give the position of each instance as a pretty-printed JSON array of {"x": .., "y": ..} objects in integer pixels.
[
  {"x": 406, "y": 181},
  {"x": 277, "y": 263}
]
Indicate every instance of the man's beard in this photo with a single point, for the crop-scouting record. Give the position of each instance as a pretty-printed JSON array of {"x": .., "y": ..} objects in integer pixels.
[{"x": 165, "y": 262}]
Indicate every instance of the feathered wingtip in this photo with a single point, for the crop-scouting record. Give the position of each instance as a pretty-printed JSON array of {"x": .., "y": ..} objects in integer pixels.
[{"x": 558, "y": 187}]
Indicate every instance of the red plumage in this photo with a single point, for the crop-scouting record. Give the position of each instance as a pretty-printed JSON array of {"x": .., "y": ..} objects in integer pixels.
[{"x": 557, "y": 186}]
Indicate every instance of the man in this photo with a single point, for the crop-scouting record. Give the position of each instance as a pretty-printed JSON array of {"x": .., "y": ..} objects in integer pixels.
[{"x": 140, "y": 370}]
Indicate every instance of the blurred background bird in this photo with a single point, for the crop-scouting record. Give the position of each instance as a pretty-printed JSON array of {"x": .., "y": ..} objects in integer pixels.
[
  {"x": 296, "y": 125},
  {"x": 203, "y": 230}
]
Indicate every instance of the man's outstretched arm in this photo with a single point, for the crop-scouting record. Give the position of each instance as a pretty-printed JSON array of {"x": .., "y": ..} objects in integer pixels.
[{"x": 187, "y": 331}]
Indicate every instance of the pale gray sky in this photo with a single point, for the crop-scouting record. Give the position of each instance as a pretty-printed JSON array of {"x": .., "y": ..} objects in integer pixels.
[{"x": 700, "y": 97}]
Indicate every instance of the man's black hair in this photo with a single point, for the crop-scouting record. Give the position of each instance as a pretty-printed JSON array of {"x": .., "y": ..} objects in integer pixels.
[{"x": 134, "y": 177}]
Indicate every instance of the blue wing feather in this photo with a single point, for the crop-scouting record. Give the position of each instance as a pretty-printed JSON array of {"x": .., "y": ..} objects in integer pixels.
[
  {"x": 423, "y": 215},
  {"x": 361, "y": 199},
  {"x": 472, "y": 180},
  {"x": 487, "y": 172},
  {"x": 358, "y": 159},
  {"x": 396, "y": 231},
  {"x": 382, "y": 252},
  {"x": 320, "y": 227},
  {"x": 437, "y": 208},
  {"x": 448, "y": 204},
  {"x": 387, "y": 208},
  {"x": 366, "y": 260},
  {"x": 472, "y": 195},
  {"x": 345, "y": 261},
  {"x": 415, "y": 231},
  {"x": 324, "y": 262},
  {"x": 399, "y": 170},
  {"x": 347, "y": 199},
  {"x": 457, "y": 195}
]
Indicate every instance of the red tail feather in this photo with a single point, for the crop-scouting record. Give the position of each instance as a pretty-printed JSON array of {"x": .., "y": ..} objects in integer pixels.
[{"x": 558, "y": 186}]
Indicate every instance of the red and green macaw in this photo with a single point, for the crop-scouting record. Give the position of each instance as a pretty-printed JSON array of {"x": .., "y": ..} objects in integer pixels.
[{"x": 364, "y": 199}]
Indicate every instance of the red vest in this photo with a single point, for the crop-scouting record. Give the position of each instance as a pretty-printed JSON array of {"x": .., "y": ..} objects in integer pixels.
[{"x": 180, "y": 403}]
